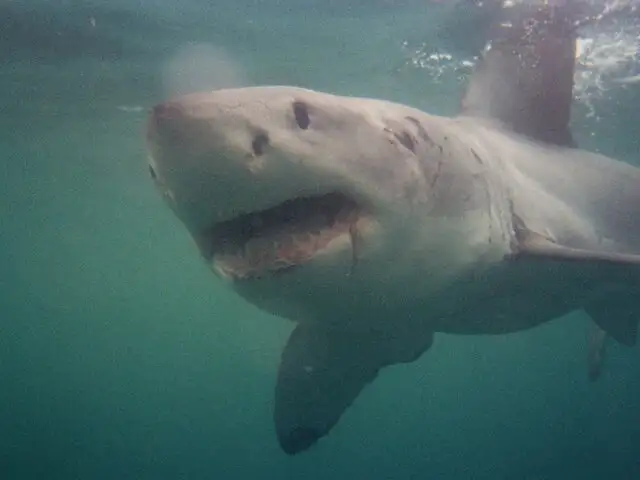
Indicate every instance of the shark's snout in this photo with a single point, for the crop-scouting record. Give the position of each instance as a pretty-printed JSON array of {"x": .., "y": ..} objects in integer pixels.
[
  {"x": 250, "y": 183},
  {"x": 167, "y": 123},
  {"x": 165, "y": 112}
]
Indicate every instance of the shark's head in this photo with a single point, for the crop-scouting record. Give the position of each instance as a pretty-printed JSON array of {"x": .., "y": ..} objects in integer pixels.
[{"x": 307, "y": 201}]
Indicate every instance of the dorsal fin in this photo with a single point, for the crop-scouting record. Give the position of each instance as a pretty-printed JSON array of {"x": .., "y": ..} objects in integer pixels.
[{"x": 525, "y": 76}]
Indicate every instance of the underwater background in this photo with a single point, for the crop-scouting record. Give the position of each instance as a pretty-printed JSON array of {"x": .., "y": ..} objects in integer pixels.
[{"x": 123, "y": 357}]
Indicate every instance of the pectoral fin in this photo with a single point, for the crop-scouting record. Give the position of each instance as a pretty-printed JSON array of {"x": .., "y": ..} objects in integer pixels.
[
  {"x": 533, "y": 245},
  {"x": 615, "y": 310},
  {"x": 324, "y": 369},
  {"x": 617, "y": 315}
]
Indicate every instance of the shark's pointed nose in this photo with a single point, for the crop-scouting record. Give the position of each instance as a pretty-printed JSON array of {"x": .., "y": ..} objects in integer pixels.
[
  {"x": 166, "y": 110},
  {"x": 164, "y": 114}
]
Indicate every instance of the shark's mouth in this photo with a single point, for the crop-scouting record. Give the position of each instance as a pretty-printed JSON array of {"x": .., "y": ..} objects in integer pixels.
[{"x": 275, "y": 240}]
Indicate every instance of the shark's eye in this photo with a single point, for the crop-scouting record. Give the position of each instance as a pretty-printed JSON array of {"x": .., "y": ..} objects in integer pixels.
[
  {"x": 259, "y": 143},
  {"x": 302, "y": 114}
]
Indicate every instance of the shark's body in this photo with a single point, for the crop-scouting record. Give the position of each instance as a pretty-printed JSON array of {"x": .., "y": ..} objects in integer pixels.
[{"x": 374, "y": 225}]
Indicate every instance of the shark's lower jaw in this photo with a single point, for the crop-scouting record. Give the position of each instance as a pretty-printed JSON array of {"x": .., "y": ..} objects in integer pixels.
[{"x": 277, "y": 240}]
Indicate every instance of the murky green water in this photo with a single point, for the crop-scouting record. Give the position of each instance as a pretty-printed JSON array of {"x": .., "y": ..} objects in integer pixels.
[{"x": 121, "y": 356}]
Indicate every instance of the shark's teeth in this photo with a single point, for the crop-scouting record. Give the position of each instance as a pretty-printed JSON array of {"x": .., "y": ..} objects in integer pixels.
[
  {"x": 263, "y": 256},
  {"x": 291, "y": 234}
]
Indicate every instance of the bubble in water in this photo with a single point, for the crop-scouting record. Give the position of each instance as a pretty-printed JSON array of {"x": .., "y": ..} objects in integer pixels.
[{"x": 200, "y": 67}]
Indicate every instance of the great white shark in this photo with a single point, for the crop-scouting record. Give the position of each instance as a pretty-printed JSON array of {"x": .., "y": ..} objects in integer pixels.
[{"x": 374, "y": 225}]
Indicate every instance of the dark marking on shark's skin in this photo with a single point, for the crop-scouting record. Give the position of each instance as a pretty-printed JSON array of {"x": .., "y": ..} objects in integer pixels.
[
  {"x": 301, "y": 114},
  {"x": 421, "y": 130},
  {"x": 436, "y": 176},
  {"x": 493, "y": 224},
  {"x": 477, "y": 157},
  {"x": 405, "y": 139}
]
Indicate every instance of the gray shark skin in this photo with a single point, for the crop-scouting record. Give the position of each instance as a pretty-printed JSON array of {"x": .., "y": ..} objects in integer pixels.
[{"x": 373, "y": 225}]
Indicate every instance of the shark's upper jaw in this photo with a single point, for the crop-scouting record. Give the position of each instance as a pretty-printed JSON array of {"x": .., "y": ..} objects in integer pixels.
[{"x": 275, "y": 240}]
